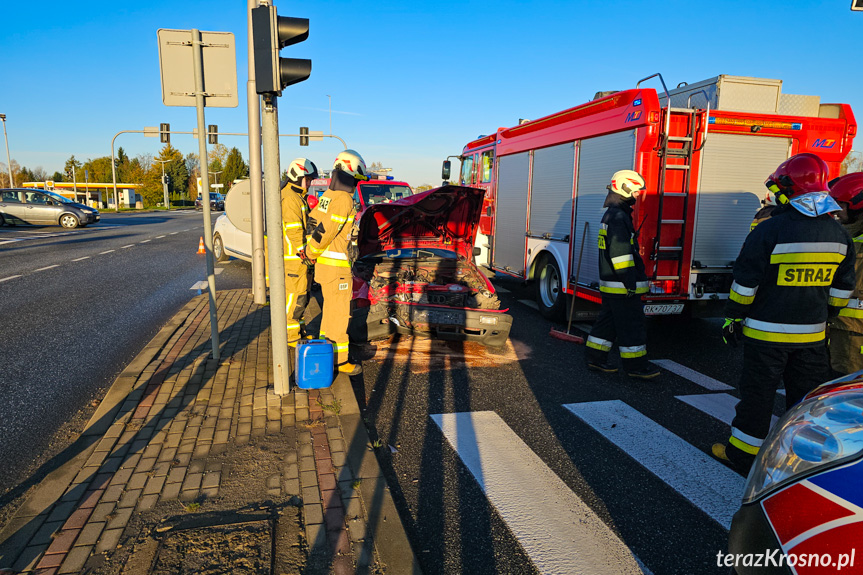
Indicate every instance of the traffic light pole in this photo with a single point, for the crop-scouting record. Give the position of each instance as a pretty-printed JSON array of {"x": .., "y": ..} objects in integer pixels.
[
  {"x": 259, "y": 285},
  {"x": 275, "y": 245},
  {"x": 198, "y": 59}
]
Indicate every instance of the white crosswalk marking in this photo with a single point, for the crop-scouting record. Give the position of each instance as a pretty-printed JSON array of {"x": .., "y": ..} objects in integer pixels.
[
  {"x": 557, "y": 530},
  {"x": 706, "y": 483},
  {"x": 704, "y": 381},
  {"x": 201, "y": 285},
  {"x": 717, "y": 405}
]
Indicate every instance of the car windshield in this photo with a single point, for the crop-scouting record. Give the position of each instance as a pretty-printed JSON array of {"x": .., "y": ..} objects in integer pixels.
[
  {"x": 383, "y": 193},
  {"x": 214, "y": 196},
  {"x": 58, "y": 197},
  {"x": 415, "y": 253},
  {"x": 317, "y": 190}
]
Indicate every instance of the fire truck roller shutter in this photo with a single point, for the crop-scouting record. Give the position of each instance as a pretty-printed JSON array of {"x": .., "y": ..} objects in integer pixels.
[
  {"x": 510, "y": 210},
  {"x": 598, "y": 159},
  {"x": 733, "y": 169},
  {"x": 550, "y": 225}
]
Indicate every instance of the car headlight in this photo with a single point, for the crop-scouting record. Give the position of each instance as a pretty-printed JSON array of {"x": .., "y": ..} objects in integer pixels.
[{"x": 825, "y": 429}]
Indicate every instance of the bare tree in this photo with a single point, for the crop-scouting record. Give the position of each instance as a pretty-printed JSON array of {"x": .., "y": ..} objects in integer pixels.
[{"x": 146, "y": 161}]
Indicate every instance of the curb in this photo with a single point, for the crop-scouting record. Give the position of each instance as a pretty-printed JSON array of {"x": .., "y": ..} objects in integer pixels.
[{"x": 390, "y": 537}]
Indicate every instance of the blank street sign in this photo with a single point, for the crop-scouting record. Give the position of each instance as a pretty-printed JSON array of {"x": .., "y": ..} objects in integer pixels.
[
  {"x": 151, "y": 132},
  {"x": 178, "y": 74}
]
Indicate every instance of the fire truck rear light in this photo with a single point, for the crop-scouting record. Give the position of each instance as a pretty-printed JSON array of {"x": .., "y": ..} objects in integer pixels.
[
  {"x": 653, "y": 117},
  {"x": 665, "y": 286}
]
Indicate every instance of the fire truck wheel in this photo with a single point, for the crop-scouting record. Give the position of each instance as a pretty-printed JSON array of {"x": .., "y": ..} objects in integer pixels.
[{"x": 549, "y": 289}]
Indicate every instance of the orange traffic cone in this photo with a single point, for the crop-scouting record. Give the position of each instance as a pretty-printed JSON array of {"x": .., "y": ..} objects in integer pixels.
[{"x": 201, "y": 249}]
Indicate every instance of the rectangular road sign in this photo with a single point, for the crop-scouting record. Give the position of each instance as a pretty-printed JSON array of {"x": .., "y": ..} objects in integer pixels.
[
  {"x": 178, "y": 74},
  {"x": 316, "y": 136},
  {"x": 151, "y": 132}
]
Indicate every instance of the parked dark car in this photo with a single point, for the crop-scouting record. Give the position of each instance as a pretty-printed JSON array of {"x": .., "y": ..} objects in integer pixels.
[
  {"x": 41, "y": 207},
  {"x": 217, "y": 202},
  {"x": 415, "y": 272},
  {"x": 803, "y": 501}
]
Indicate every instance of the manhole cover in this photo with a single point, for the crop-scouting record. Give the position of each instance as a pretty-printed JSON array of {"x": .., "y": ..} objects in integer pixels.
[{"x": 235, "y": 548}]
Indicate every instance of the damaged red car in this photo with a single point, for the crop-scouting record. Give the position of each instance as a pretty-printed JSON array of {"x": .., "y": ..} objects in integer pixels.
[{"x": 415, "y": 271}]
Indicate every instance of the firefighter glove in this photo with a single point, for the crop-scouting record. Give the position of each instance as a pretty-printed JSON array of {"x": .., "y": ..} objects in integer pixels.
[
  {"x": 630, "y": 292},
  {"x": 304, "y": 258},
  {"x": 732, "y": 331}
]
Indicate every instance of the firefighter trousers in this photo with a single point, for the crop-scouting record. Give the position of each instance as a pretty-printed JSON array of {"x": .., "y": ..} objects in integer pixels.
[
  {"x": 620, "y": 320},
  {"x": 764, "y": 367},
  {"x": 846, "y": 351},
  {"x": 297, "y": 297},
  {"x": 336, "y": 283}
]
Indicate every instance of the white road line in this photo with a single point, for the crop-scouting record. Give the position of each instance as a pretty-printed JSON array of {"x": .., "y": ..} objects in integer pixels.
[
  {"x": 557, "y": 530},
  {"x": 9, "y": 278},
  {"x": 500, "y": 289},
  {"x": 84, "y": 258},
  {"x": 217, "y": 271},
  {"x": 706, "y": 483},
  {"x": 159, "y": 237},
  {"x": 201, "y": 285},
  {"x": 529, "y": 303},
  {"x": 173, "y": 233},
  {"x": 106, "y": 252},
  {"x": 47, "y": 268},
  {"x": 704, "y": 381},
  {"x": 129, "y": 246},
  {"x": 143, "y": 241},
  {"x": 12, "y": 241},
  {"x": 717, "y": 405}
]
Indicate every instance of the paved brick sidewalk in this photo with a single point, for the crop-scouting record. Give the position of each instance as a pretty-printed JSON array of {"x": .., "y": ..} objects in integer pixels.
[{"x": 166, "y": 439}]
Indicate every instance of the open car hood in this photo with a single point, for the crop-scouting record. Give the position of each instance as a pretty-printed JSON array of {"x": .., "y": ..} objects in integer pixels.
[{"x": 443, "y": 218}]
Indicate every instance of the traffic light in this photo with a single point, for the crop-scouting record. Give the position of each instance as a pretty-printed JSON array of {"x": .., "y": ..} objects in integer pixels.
[
  {"x": 164, "y": 178},
  {"x": 271, "y": 33},
  {"x": 304, "y": 136},
  {"x": 857, "y": 4},
  {"x": 212, "y": 134},
  {"x": 165, "y": 133},
  {"x": 168, "y": 180}
]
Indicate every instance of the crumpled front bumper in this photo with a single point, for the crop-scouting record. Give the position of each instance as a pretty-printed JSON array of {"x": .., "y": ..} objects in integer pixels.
[{"x": 487, "y": 327}]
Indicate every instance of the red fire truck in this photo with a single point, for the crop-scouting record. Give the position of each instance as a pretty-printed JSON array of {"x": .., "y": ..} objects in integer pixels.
[{"x": 704, "y": 150}]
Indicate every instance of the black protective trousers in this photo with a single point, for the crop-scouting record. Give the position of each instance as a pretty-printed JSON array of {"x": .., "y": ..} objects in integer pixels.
[
  {"x": 621, "y": 321},
  {"x": 764, "y": 367}
]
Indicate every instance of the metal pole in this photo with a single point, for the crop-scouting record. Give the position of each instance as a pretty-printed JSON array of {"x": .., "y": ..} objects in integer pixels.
[
  {"x": 165, "y": 187},
  {"x": 87, "y": 193},
  {"x": 198, "y": 57},
  {"x": 74, "y": 182},
  {"x": 114, "y": 174},
  {"x": 8, "y": 161},
  {"x": 275, "y": 246},
  {"x": 256, "y": 194}
]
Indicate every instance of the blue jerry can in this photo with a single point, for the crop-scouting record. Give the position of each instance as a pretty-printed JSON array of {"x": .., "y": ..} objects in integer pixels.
[{"x": 314, "y": 364}]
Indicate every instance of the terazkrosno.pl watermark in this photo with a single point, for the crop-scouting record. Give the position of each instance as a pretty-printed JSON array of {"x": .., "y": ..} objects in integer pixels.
[{"x": 775, "y": 558}]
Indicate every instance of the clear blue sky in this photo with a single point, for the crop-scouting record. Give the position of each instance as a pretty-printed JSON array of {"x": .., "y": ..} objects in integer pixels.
[{"x": 411, "y": 82}]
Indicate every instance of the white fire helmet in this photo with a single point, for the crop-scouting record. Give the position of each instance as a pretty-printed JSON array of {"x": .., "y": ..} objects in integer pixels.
[
  {"x": 351, "y": 162},
  {"x": 299, "y": 169},
  {"x": 769, "y": 199},
  {"x": 626, "y": 183}
]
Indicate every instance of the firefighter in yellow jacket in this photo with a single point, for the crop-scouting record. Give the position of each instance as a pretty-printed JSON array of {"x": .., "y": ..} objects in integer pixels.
[
  {"x": 327, "y": 245},
  {"x": 300, "y": 173},
  {"x": 846, "y": 330}
]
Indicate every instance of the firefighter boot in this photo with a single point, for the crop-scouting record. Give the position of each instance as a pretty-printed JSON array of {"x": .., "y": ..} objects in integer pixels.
[
  {"x": 603, "y": 366},
  {"x": 646, "y": 372},
  {"x": 739, "y": 460},
  {"x": 350, "y": 368}
]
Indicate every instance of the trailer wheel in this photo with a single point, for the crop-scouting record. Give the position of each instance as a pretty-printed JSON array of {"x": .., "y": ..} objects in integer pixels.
[{"x": 550, "y": 296}]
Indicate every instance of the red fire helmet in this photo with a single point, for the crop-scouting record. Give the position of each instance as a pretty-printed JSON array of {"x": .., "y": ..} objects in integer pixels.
[
  {"x": 848, "y": 189},
  {"x": 799, "y": 174}
]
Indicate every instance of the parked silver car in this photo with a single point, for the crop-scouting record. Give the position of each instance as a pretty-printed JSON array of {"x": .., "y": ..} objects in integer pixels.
[{"x": 41, "y": 207}]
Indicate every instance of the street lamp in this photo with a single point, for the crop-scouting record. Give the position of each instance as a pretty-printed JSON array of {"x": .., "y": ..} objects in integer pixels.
[
  {"x": 166, "y": 199},
  {"x": 8, "y": 161}
]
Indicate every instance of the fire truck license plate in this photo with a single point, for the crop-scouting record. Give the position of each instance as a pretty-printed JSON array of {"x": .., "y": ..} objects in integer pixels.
[{"x": 663, "y": 309}]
